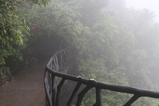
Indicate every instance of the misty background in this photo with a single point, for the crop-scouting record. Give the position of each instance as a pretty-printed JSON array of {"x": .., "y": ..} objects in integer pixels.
[{"x": 151, "y": 5}]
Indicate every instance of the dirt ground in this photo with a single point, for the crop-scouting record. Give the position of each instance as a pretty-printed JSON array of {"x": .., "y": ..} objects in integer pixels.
[{"x": 26, "y": 89}]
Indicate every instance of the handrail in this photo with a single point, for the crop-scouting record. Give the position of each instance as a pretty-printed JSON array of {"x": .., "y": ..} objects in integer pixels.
[{"x": 61, "y": 59}]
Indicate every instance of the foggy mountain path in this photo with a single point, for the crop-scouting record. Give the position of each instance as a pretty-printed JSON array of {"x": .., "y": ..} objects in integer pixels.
[{"x": 26, "y": 89}]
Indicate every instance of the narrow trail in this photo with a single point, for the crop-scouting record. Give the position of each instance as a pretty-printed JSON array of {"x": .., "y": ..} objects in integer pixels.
[{"x": 26, "y": 89}]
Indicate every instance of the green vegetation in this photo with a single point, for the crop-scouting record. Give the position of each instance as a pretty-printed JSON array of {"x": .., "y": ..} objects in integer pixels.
[{"x": 112, "y": 43}]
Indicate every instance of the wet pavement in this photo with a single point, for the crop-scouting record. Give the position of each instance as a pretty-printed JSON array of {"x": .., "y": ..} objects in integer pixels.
[{"x": 26, "y": 89}]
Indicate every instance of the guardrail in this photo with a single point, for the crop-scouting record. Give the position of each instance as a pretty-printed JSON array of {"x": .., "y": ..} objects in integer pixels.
[{"x": 53, "y": 85}]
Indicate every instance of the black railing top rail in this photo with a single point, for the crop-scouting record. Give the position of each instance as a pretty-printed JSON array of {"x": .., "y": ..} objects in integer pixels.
[
  {"x": 112, "y": 87},
  {"x": 52, "y": 68}
]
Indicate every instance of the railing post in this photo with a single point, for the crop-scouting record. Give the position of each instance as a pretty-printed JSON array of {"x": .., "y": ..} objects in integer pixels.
[
  {"x": 54, "y": 91},
  {"x": 98, "y": 97},
  {"x": 58, "y": 91},
  {"x": 73, "y": 94}
]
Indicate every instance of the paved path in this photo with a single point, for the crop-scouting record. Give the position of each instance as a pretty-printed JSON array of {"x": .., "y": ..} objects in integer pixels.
[{"x": 26, "y": 89}]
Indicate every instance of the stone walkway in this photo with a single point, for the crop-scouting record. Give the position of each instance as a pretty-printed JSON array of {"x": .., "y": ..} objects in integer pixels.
[{"x": 26, "y": 89}]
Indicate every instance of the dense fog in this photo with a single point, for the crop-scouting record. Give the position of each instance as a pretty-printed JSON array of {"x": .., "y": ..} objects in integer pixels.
[{"x": 141, "y": 4}]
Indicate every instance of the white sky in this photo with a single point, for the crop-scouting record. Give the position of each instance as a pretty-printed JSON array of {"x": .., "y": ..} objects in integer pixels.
[{"x": 152, "y": 5}]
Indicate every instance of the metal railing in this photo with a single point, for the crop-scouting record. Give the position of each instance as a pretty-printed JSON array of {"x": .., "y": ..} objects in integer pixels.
[{"x": 52, "y": 72}]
